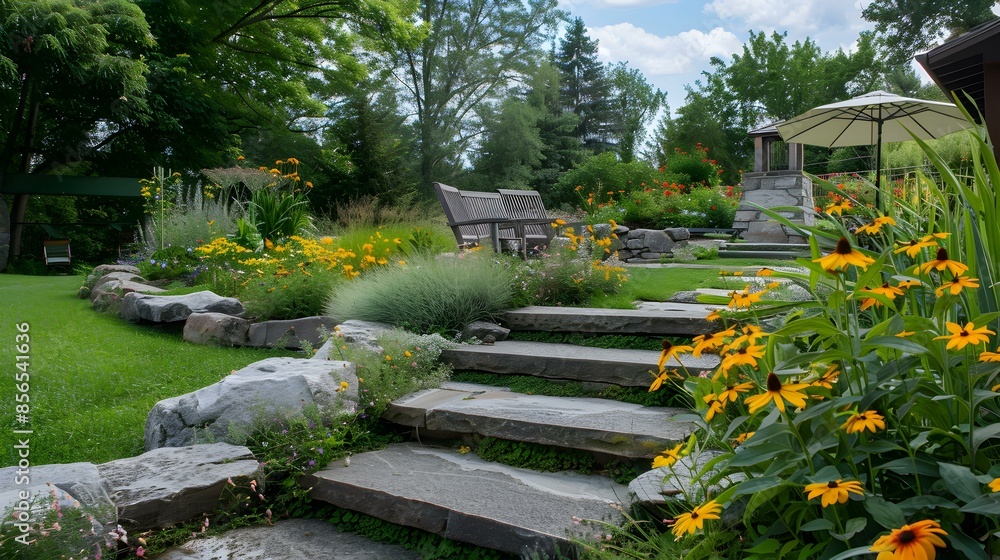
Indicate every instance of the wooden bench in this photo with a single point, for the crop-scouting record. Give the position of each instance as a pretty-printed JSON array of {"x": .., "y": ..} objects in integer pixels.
[
  {"x": 56, "y": 252},
  {"x": 477, "y": 216}
]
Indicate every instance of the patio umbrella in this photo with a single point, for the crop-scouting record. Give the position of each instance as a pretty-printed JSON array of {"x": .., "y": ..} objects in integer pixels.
[{"x": 871, "y": 119}]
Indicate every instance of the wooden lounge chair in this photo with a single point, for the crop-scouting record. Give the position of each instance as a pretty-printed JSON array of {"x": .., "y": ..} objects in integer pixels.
[
  {"x": 471, "y": 218},
  {"x": 527, "y": 206},
  {"x": 56, "y": 252},
  {"x": 476, "y": 216}
]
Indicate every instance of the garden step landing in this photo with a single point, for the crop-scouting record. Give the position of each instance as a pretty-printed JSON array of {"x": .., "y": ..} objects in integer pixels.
[
  {"x": 629, "y": 368},
  {"x": 467, "y": 499},
  {"x": 770, "y": 255},
  {"x": 598, "y": 425},
  {"x": 678, "y": 319}
]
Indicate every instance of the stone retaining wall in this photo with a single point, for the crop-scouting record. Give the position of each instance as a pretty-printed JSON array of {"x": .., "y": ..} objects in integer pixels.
[{"x": 649, "y": 245}]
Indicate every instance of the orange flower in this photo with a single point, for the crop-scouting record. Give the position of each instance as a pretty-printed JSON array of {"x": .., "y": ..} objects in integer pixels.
[
  {"x": 671, "y": 351},
  {"x": 913, "y": 247},
  {"x": 833, "y": 492},
  {"x": 961, "y": 337},
  {"x": 876, "y": 226},
  {"x": 956, "y": 285},
  {"x": 869, "y": 420},
  {"x": 710, "y": 341},
  {"x": 843, "y": 256},
  {"x": 915, "y": 541},
  {"x": 942, "y": 262},
  {"x": 689, "y": 523},
  {"x": 779, "y": 394},
  {"x": 668, "y": 456}
]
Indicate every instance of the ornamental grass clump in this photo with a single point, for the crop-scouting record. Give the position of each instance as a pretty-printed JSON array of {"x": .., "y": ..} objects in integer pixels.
[
  {"x": 428, "y": 294},
  {"x": 867, "y": 420}
]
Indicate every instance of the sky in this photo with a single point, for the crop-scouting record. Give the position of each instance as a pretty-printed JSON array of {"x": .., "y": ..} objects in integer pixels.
[{"x": 671, "y": 41}]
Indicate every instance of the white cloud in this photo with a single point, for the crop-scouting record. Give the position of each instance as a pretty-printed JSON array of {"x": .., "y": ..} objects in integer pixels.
[
  {"x": 631, "y": 3},
  {"x": 831, "y": 24},
  {"x": 654, "y": 55},
  {"x": 598, "y": 4}
]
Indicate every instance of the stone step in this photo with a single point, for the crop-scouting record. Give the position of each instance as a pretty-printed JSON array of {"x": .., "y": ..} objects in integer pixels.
[
  {"x": 297, "y": 539},
  {"x": 771, "y": 255},
  {"x": 795, "y": 247},
  {"x": 467, "y": 499},
  {"x": 677, "y": 319},
  {"x": 605, "y": 426},
  {"x": 628, "y": 368}
]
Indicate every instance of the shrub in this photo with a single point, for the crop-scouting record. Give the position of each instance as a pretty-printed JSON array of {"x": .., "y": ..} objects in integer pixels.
[
  {"x": 693, "y": 168},
  {"x": 427, "y": 294},
  {"x": 172, "y": 262},
  {"x": 571, "y": 273},
  {"x": 602, "y": 174},
  {"x": 287, "y": 293}
]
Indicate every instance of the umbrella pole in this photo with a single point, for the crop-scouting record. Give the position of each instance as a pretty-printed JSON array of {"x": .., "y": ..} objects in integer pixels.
[{"x": 878, "y": 170}]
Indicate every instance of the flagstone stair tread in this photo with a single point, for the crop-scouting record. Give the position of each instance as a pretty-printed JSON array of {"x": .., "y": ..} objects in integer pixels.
[
  {"x": 773, "y": 255},
  {"x": 467, "y": 499},
  {"x": 629, "y": 368},
  {"x": 600, "y": 425},
  {"x": 678, "y": 319}
]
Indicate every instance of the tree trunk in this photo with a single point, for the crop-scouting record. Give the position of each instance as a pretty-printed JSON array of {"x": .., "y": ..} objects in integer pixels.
[{"x": 20, "y": 204}]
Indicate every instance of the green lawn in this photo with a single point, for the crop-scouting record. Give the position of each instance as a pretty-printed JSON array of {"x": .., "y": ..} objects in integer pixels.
[
  {"x": 94, "y": 377},
  {"x": 658, "y": 284}
]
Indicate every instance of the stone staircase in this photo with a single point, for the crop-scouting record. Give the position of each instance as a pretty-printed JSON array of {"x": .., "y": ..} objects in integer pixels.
[
  {"x": 515, "y": 510},
  {"x": 789, "y": 251}
]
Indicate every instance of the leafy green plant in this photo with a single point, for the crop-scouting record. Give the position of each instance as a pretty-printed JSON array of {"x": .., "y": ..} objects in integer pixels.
[
  {"x": 867, "y": 421},
  {"x": 429, "y": 545},
  {"x": 282, "y": 292},
  {"x": 427, "y": 294},
  {"x": 531, "y": 385},
  {"x": 534, "y": 456},
  {"x": 56, "y": 525},
  {"x": 172, "y": 262}
]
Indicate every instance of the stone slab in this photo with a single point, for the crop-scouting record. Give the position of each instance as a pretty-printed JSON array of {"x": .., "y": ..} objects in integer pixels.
[
  {"x": 174, "y": 484},
  {"x": 670, "y": 485},
  {"x": 764, "y": 255},
  {"x": 73, "y": 483},
  {"x": 467, "y": 499},
  {"x": 168, "y": 309},
  {"x": 295, "y": 539},
  {"x": 629, "y": 368},
  {"x": 291, "y": 333},
  {"x": 599, "y": 425},
  {"x": 767, "y": 247},
  {"x": 269, "y": 388},
  {"x": 676, "y": 319},
  {"x": 216, "y": 328}
]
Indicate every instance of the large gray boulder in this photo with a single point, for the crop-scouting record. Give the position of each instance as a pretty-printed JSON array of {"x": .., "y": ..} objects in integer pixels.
[
  {"x": 174, "y": 485},
  {"x": 168, "y": 309},
  {"x": 291, "y": 333},
  {"x": 362, "y": 334},
  {"x": 107, "y": 294},
  {"x": 275, "y": 387},
  {"x": 483, "y": 329},
  {"x": 216, "y": 329},
  {"x": 116, "y": 276}
]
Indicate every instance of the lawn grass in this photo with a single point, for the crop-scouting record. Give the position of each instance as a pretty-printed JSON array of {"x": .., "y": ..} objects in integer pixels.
[
  {"x": 660, "y": 283},
  {"x": 94, "y": 377}
]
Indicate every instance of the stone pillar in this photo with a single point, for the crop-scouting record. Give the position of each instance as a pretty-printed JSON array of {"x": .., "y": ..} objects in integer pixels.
[{"x": 771, "y": 189}]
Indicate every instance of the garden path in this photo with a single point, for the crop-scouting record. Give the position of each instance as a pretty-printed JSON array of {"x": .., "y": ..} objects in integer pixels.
[{"x": 515, "y": 510}]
